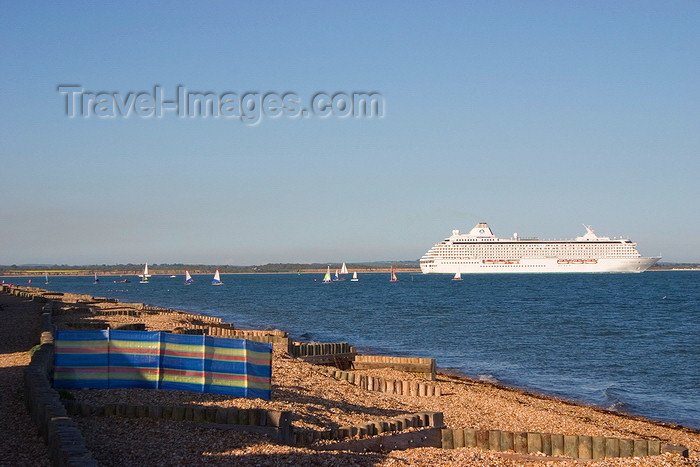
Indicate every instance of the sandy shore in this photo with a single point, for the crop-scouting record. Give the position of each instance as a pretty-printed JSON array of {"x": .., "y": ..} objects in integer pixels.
[{"x": 320, "y": 402}]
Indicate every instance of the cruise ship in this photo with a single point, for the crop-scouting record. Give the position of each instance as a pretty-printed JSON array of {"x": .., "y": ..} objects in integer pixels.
[{"x": 480, "y": 251}]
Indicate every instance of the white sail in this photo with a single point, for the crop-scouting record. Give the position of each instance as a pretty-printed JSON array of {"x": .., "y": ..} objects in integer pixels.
[
  {"x": 217, "y": 279},
  {"x": 188, "y": 278},
  {"x": 144, "y": 277},
  {"x": 457, "y": 277},
  {"x": 97, "y": 281},
  {"x": 354, "y": 277},
  {"x": 344, "y": 269},
  {"x": 327, "y": 277},
  {"x": 46, "y": 275}
]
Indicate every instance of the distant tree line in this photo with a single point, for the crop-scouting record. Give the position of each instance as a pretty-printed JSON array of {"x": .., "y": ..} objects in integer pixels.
[{"x": 172, "y": 268}]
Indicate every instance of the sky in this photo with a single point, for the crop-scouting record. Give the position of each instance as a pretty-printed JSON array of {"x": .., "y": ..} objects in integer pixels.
[{"x": 536, "y": 117}]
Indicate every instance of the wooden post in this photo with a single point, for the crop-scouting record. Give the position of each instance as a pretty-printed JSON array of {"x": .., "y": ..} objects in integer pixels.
[
  {"x": 221, "y": 415},
  {"x": 626, "y": 448},
  {"x": 507, "y": 441},
  {"x": 598, "y": 450},
  {"x": 571, "y": 446},
  {"x": 155, "y": 411},
  {"x": 470, "y": 438},
  {"x": 482, "y": 439},
  {"x": 547, "y": 444},
  {"x": 654, "y": 447},
  {"x": 585, "y": 447},
  {"x": 458, "y": 438},
  {"x": 495, "y": 440},
  {"x": 520, "y": 442},
  {"x": 178, "y": 413},
  {"x": 436, "y": 419},
  {"x": 640, "y": 447},
  {"x": 231, "y": 415},
  {"x": 447, "y": 439},
  {"x": 534, "y": 442},
  {"x": 612, "y": 447}
]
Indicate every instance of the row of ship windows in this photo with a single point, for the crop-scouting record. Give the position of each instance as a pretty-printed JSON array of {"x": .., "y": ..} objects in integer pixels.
[
  {"x": 513, "y": 247},
  {"x": 529, "y": 249},
  {"x": 616, "y": 250},
  {"x": 489, "y": 265}
]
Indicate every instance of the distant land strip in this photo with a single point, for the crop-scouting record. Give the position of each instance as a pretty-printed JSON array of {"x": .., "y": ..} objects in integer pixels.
[
  {"x": 270, "y": 268},
  {"x": 179, "y": 269}
]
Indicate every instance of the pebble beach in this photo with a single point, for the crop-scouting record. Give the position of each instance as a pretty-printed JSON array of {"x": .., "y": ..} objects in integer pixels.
[{"x": 317, "y": 402}]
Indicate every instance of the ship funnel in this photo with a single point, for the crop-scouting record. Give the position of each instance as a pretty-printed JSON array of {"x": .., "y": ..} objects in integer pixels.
[{"x": 481, "y": 229}]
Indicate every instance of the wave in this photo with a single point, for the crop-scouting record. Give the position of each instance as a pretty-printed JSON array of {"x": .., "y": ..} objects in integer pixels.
[
  {"x": 489, "y": 379},
  {"x": 615, "y": 400}
]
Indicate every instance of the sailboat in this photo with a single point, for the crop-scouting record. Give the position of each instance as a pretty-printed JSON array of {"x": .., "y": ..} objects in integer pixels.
[
  {"x": 393, "y": 276},
  {"x": 46, "y": 275},
  {"x": 457, "y": 277},
  {"x": 217, "y": 279},
  {"x": 354, "y": 277},
  {"x": 97, "y": 281},
  {"x": 188, "y": 278},
  {"x": 344, "y": 269},
  {"x": 144, "y": 277},
  {"x": 327, "y": 277}
]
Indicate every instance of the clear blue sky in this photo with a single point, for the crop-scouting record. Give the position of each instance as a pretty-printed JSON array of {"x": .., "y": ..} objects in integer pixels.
[{"x": 533, "y": 116}]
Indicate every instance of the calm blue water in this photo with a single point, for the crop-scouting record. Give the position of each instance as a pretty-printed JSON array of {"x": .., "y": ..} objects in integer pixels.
[{"x": 629, "y": 342}]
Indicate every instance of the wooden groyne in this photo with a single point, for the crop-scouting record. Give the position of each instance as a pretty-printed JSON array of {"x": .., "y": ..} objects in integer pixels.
[
  {"x": 423, "y": 366},
  {"x": 574, "y": 446},
  {"x": 274, "y": 423},
  {"x": 385, "y": 385},
  {"x": 60, "y": 432}
]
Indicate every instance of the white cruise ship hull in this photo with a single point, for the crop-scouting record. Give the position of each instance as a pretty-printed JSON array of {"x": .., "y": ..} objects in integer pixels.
[
  {"x": 538, "y": 265},
  {"x": 480, "y": 251}
]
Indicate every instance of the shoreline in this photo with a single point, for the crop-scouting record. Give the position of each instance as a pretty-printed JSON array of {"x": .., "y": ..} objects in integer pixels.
[
  {"x": 530, "y": 392},
  {"x": 455, "y": 373},
  {"x": 317, "y": 400}
]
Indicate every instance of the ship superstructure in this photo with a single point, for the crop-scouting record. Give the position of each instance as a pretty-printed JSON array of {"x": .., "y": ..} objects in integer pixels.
[{"x": 480, "y": 251}]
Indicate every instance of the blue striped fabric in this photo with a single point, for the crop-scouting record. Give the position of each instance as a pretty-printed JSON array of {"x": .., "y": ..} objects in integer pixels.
[
  {"x": 134, "y": 359},
  {"x": 139, "y": 359},
  {"x": 81, "y": 359}
]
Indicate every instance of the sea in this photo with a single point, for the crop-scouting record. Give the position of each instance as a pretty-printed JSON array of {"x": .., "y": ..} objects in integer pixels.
[{"x": 624, "y": 342}]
